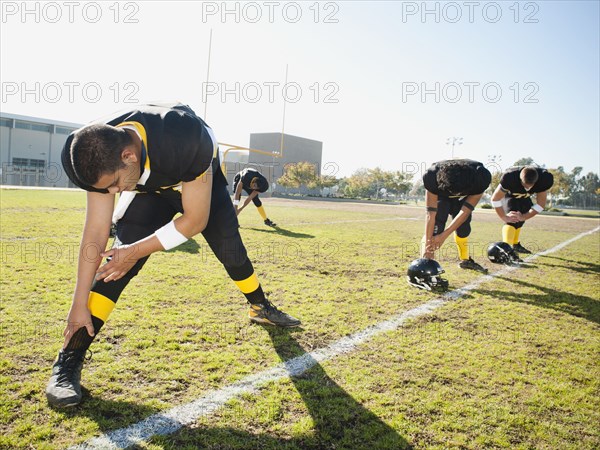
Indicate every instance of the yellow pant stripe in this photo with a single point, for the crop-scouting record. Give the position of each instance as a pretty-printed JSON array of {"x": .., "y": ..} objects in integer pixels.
[
  {"x": 463, "y": 248},
  {"x": 248, "y": 285},
  {"x": 262, "y": 212},
  {"x": 100, "y": 306}
]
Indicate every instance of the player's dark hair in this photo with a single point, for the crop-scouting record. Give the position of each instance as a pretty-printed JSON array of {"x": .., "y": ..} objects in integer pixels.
[
  {"x": 96, "y": 150},
  {"x": 455, "y": 177},
  {"x": 529, "y": 175},
  {"x": 261, "y": 182}
]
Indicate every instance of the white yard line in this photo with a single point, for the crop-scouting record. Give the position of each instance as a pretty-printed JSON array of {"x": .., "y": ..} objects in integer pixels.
[
  {"x": 172, "y": 420},
  {"x": 352, "y": 221}
]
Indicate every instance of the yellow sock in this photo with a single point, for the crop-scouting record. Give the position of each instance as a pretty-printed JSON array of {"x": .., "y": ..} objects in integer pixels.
[
  {"x": 463, "y": 248},
  {"x": 508, "y": 234},
  {"x": 262, "y": 212},
  {"x": 516, "y": 238}
]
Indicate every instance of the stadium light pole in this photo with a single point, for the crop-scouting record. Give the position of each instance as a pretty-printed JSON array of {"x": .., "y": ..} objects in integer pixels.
[
  {"x": 454, "y": 141},
  {"x": 207, "y": 72}
]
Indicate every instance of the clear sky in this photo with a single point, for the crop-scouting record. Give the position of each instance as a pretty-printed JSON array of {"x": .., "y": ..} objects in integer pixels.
[{"x": 379, "y": 83}]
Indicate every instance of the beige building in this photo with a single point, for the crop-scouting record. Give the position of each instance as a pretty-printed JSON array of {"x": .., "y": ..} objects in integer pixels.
[{"x": 30, "y": 150}]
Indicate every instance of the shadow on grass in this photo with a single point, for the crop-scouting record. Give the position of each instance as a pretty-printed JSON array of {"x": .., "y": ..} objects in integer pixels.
[
  {"x": 283, "y": 232},
  {"x": 576, "y": 305},
  {"x": 338, "y": 420},
  {"x": 190, "y": 246},
  {"x": 108, "y": 414},
  {"x": 577, "y": 266}
]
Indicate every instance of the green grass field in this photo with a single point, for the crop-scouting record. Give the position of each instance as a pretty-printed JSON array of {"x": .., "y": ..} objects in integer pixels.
[{"x": 515, "y": 363}]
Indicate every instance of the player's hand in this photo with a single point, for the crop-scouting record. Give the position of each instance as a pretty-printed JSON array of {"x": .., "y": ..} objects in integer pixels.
[
  {"x": 437, "y": 241},
  {"x": 428, "y": 249},
  {"x": 79, "y": 316},
  {"x": 516, "y": 216},
  {"x": 428, "y": 254},
  {"x": 122, "y": 259}
]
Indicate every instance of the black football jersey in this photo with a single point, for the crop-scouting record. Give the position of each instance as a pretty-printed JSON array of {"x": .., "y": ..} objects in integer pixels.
[
  {"x": 177, "y": 146},
  {"x": 511, "y": 182},
  {"x": 480, "y": 182}
]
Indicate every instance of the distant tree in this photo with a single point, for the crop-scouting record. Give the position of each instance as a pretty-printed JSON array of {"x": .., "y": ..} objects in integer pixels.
[
  {"x": 418, "y": 189},
  {"x": 297, "y": 175},
  {"x": 561, "y": 187},
  {"x": 397, "y": 182},
  {"x": 324, "y": 181},
  {"x": 496, "y": 177},
  {"x": 524, "y": 162},
  {"x": 359, "y": 184},
  {"x": 589, "y": 184},
  {"x": 371, "y": 182}
]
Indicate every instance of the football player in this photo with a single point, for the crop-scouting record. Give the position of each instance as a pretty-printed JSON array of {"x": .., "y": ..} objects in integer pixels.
[
  {"x": 512, "y": 200},
  {"x": 163, "y": 160},
  {"x": 453, "y": 187},
  {"x": 254, "y": 183}
]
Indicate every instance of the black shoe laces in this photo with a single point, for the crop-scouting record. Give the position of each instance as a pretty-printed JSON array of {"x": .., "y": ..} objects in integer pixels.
[
  {"x": 68, "y": 362},
  {"x": 271, "y": 308}
]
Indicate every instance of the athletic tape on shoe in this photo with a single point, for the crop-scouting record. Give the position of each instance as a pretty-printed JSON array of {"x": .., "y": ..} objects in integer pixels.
[
  {"x": 537, "y": 208},
  {"x": 169, "y": 237},
  {"x": 497, "y": 204}
]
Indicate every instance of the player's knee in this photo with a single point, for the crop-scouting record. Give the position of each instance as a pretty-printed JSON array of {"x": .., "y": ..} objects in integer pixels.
[
  {"x": 137, "y": 267},
  {"x": 463, "y": 232},
  {"x": 231, "y": 253}
]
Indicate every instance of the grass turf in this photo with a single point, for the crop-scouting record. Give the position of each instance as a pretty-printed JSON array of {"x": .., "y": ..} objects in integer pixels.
[{"x": 514, "y": 364}]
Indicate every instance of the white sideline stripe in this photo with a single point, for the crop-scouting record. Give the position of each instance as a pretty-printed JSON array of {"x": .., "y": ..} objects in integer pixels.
[
  {"x": 353, "y": 221},
  {"x": 180, "y": 416}
]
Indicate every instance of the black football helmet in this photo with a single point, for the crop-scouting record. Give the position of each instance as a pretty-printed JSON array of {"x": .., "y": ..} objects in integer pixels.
[
  {"x": 425, "y": 274},
  {"x": 502, "y": 253}
]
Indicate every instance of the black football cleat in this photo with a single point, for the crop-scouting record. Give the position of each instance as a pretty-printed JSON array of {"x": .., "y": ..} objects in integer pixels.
[
  {"x": 520, "y": 249},
  {"x": 64, "y": 388},
  {"x": 267, "y": 313},
  {"x": 270, "y": 223},
  {"x": 472, "y": 265}
]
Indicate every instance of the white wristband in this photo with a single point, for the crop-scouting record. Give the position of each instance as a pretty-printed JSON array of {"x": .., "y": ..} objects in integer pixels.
[
  {"x": 236, "y": 202},
  {"x": 537, "y": 208},
  {"x": 169, "y": 237},
  {"x": 497, "y": 204}
]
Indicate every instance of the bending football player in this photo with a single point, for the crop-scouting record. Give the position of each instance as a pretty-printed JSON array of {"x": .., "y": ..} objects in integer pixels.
[
  {"x": 512, "y": 200},
  {"x": 163, "y": 160},
  {"x": 254, "y": 183},
  {"x": 453, "y": 188}
]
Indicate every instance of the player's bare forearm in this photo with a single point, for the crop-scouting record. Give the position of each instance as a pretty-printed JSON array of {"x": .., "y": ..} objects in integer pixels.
[
  {"x": 497, "y": 197},
  {"x": 196, "y": 197},
  {"x": 431, "y": 201},
  {"x": 540, "y": 198},
  {"x": 238, "y": 191},
  {"x": 93, "y": 242},
  {"x": 249, "y": 198}
]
